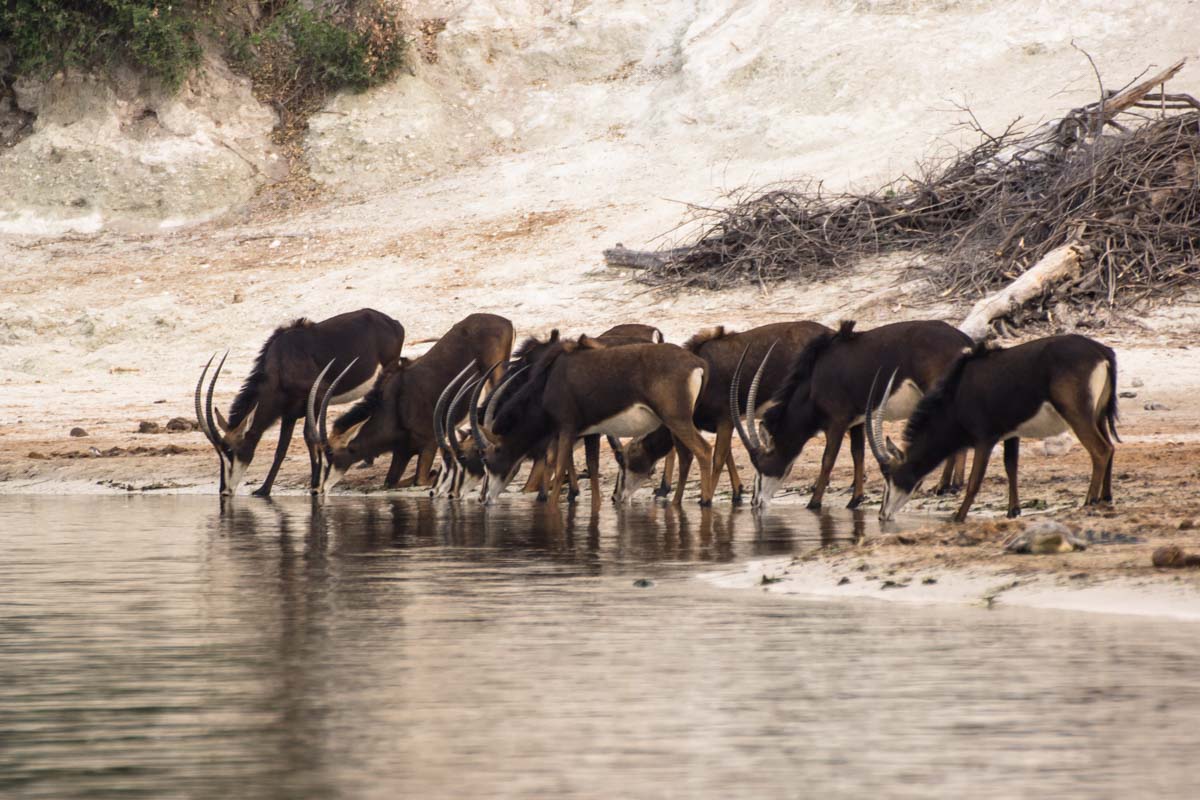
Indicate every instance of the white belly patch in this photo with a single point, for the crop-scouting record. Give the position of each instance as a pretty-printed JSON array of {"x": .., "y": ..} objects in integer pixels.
[
  {"x": 1045, "y": 423},
  {"x": 637, "y": 420},
  {"x": 900, "y": 404},
  {"x": 357, "y": 391}
]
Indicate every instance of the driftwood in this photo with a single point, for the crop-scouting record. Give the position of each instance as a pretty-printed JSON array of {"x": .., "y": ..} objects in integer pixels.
[
  {"x": 1060, "y": 264},
  {"x": 622, "y": 256}
]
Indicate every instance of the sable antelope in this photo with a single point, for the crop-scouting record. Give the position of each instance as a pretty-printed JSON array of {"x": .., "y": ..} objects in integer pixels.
[
  {"x": 827, "y": 390},
  {"x": 634, "y": 331},
  {"x": 720, "y": 349},
  {"x": 534, "y": 350},
  {"x": 583, "y": 389},
  {"x": 992, "y": 395},
  {"x": 277, "y": 386},
  {"x": 394, "y": 415}
]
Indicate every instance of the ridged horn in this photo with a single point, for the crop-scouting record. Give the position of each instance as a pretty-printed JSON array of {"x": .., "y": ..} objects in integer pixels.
[
  {"x": 734, "y": 411},
  {"x": 325, "y": 402},
  {"x": 489, "y": 413},
  {"x": 200, "y": 421},
  {"x": 476, "y": 433},
  {"x": 875, "y": 421},
  {"x": 439, "y": 408},
  {"x": 752, "y": 398},
  {"x": 310, "y": 409},
  {"x": 208, "y": 409},
  {"x": 618, "y": 451},
  {"x": 451, "y": 432}
]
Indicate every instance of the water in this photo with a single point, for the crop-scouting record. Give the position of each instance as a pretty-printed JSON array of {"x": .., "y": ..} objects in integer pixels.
[{"x": 156, "y": 647}]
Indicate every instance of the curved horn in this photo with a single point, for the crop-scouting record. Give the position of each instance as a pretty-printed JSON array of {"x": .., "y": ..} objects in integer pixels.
[
  {"x": 200, "y": 421},
  {"x": 325, "y": 401},
  {"x": 208, "y": 410},
  {"x": 875, "y": 421},
  {"x": 439, "y": 408},
  {"x": 752, "y": 398},
  {"x": 476, "y": 433},
  {"x": 618, "y": 451},
  {"x": 734, "y": 411},
  {"x": 310, "y": 409},
  {"x": 489, "y": 413},
  {"x": 451, "y": 433}
]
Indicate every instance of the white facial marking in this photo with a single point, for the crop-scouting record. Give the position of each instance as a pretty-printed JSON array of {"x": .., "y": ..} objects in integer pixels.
[
  {"x": 492, "y": 488},
  {"x": 332, "y": 476},
  {"x": 630, "y": 483},
  {"x": 765, "y": 487},
  {"x": 893, "y": 501}
]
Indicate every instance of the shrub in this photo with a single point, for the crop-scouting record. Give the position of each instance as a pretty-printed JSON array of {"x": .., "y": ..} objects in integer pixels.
[{"x": 46, "y": 35}]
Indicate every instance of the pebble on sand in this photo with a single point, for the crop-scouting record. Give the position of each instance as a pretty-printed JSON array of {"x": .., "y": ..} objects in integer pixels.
[
  {"x": 1045, "y": 537},
  {"x": 1172, "y": 556},
  {"x": 78, "y": 432}
]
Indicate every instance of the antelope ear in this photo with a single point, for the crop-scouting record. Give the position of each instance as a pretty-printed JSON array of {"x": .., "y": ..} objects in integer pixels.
[
  {"x": 221, "y": 423},
  {"x": 348, "y": 435},
  {"x": 240, "y": 430},
  {"x": 893, "y": 451},
  {"x": 764, "y": 435}
]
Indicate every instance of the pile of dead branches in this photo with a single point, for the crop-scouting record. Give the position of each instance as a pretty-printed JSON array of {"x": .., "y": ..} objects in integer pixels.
[{"x": 1119, "y": 177}]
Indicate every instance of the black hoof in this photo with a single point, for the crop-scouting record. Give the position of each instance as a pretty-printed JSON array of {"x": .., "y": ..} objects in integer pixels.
[
  {"x": 1013, "y": 513},
  {"x": 706, "y": 503},
  {"x": 542, "y": 496},
  {"x": 736, "y": 498},
  {"x": 814, "y": 505},
  {"x": 262, "y": 491},
  {"x": 855, "y": 502},
  {"x": 662, "y": 491}
]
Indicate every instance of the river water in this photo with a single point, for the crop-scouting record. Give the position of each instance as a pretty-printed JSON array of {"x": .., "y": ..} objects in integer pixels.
[{"x": 371, "y": 647}]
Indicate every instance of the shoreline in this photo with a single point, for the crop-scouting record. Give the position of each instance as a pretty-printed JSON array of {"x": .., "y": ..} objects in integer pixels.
[{"x": 882, "y": 572}]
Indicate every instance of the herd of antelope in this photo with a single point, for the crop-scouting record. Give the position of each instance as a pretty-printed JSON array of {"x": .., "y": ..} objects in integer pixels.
[{"x": 653, "y": 400}]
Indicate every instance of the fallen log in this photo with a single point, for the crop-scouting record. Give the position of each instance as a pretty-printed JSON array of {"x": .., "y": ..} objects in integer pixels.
[
  {"x": 622, "y": 256},
  {"x": 1058, "y": 265}
]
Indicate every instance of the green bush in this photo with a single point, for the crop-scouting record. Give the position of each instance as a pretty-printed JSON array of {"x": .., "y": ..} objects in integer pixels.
[
  {"x": 46, "y": 35},
  {"x": 357, "y": 50}
]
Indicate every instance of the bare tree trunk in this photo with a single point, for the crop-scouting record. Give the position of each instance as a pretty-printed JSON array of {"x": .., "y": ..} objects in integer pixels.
[{"x": 1059, "y": 264}]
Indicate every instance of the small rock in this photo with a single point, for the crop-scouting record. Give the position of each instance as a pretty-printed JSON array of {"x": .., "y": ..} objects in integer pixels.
[
  {"x": 1078, "y": 576},
  {"x": 929, "y": 580},
  {"x": 1155, "y": 407},
  {"x": 1043, "y": 538},
  {"x": 896, "y": 538},
  {"x": 843, "y": 581},
  {"x": 1187, "y": 524},
  {"x": 890, "y": 584},
  {"x": 1127, "y": 394},
  {"x": 643, "y": 583},
  {"x": 146, "y": 426},
  {"x": 1137, "y": 383},
  {"x": 178, "y": 424},
  {"x": 766, "y": 579},
  {"x": 36, "y": 456},
  {"x": 1172, "y": 556},
  {"x": 237, "y": 297},
  {"x": 78, "y": 432}
]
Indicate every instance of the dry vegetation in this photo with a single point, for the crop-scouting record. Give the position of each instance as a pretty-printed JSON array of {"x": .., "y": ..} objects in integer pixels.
[{"x": 1118, "y": 177}]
